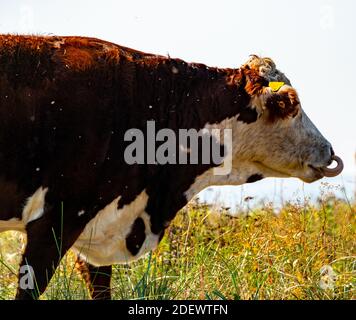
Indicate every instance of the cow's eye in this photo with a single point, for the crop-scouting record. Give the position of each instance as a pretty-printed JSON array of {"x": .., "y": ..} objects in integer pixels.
[{"x": 282, "y": 105}]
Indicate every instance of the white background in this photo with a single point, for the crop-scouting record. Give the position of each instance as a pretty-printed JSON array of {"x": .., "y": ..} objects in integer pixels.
[{"x": 313, "y": 42}]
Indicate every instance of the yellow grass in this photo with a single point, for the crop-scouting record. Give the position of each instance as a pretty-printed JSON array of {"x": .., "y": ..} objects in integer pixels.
[{"x": 304, "y": 252}]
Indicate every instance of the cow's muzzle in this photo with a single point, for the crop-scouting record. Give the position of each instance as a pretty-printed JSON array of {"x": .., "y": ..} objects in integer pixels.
[{"x": 333, "y": 172}]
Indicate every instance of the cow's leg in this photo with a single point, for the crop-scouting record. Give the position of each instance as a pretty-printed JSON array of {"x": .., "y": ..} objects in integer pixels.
[
  {"x": 97, "y": 279},
  {"x": 48, "y": 239},
  {"x": 101, "y": 278}
]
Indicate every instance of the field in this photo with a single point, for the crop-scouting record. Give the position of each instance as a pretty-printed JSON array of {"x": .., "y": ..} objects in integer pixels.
[{"x": 304, "y": 252}]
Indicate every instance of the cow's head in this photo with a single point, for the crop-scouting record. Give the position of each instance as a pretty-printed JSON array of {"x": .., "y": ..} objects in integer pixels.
[{"x": 282, "y": 142}]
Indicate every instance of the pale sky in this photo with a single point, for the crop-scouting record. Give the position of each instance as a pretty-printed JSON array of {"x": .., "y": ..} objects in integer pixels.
[{"x": 312, "y": 42}]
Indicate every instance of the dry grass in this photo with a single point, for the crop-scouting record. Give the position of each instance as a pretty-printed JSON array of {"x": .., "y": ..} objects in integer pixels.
[{"x": 304, "y": 252}]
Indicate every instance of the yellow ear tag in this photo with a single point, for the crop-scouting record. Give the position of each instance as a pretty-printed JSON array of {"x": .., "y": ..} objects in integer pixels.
[{"x": 275, "y": 85}]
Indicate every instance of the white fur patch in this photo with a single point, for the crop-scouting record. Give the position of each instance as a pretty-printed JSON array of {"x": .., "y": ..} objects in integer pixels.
[
  {"x": 242, "y": 166},
  {"x": 34, "y": 207},
  {"x": 236, "y": 177},
  {"x": 33, "y": 210},
  {"x": 103, "y": 241}
]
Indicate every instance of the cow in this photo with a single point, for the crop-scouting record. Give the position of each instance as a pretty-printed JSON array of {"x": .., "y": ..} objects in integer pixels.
[{"x": 66, "y": 104}]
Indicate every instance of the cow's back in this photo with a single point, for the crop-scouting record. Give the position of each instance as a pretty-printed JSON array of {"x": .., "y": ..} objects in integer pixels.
[{"x": 57, "y": 106}]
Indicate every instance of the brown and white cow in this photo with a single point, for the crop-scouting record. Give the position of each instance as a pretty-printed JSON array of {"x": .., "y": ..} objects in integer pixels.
[{"x": 65, "y": 105}]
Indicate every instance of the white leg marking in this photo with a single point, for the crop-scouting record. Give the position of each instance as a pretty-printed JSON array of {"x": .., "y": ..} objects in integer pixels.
[
  {"x": 103, "y": 241},
  {"x": 34, "y": 207},
  {"x": 33, "y": 210}
]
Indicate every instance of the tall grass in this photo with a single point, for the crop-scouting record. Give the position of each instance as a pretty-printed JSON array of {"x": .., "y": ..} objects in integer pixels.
[{"x": 303, "y": 252}]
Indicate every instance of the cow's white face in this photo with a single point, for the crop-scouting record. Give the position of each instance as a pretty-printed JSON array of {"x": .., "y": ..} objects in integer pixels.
[{"x": 283, "y": 142}]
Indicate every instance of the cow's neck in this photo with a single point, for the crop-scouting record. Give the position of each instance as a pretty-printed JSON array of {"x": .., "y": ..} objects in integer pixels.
[
  {"x": 188, "y": 96},
  {"x": 179, "y": 95}
]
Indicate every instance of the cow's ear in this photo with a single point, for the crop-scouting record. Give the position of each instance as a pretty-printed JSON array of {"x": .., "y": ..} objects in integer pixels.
[
  {"x": 281, "y": 104},
  {"x": 254, "y": 82}
]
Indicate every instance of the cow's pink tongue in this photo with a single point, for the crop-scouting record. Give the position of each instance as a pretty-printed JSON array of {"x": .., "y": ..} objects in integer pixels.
[{"x": 333, "y": 172}]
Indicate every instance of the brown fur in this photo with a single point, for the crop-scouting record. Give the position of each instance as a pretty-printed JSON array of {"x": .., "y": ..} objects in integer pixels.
[
  {"x": 77, "y": 58},
  {"x": 282, "y": 105},
  {"x": 254, "y": 82}
]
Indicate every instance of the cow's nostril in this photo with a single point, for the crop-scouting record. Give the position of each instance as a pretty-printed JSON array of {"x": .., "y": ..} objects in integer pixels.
[{"x": 332, "y": 153}]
